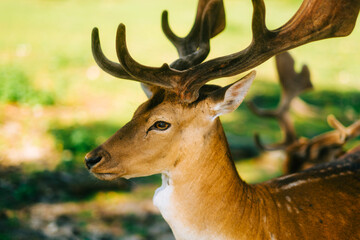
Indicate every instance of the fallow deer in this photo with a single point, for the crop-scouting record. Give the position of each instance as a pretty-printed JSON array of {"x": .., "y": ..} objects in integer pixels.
[
  {"x": 301, "y": 152},
  {"x": 177, "y": 133}
]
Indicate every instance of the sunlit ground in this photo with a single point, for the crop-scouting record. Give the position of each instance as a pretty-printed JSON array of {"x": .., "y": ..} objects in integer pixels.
[{"x": 56, "y": 105}]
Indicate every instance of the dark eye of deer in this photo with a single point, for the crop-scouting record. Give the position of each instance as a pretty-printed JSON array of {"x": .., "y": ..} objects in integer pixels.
[{"x": 160, "y": 126}]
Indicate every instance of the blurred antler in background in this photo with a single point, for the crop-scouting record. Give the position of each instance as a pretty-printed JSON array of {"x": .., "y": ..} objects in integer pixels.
[
  {"x": 325, "y": 147},
  {"x": 292, "y": 85},
  {"x": 328, "y": 146},
  {"x": 302, "y": 153}
]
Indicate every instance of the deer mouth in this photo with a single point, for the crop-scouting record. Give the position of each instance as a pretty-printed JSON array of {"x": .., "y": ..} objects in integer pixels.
[{"x": 107, "y": 176}]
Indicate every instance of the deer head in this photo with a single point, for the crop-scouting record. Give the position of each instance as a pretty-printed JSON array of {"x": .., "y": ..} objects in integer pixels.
[
  {"x": 182, "y": 109},
  {"x": 162, "y": 129}
]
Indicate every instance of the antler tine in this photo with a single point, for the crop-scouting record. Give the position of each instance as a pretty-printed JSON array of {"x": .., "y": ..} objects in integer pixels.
[
  {"x": 333, "y": 19},
  {"x": 333, "y": 140},
  {"x": 354, "y": 129},
  {"x": 195, "y": 47},
  {"x": 292, "y": 84},
  {"x": 193, "y": 53},
  {"x": 162, "y": 77},
  {"x": 105, "y": 64},
  {"x": 345, "y": 132},
  {"x": 171, "y": 36},
  {"x": 206, "y": 8},
  {"x": 334, "y": 123},
  {"x": 156, "y": 76}
]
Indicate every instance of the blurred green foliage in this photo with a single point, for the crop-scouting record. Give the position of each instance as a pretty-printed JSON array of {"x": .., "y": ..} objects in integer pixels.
[
  {"x": 76, "y": 140},
  {"x": 80, "y": 138},
  {"x": 16, "y": 87},
  {"x": 45, "y": 59}
]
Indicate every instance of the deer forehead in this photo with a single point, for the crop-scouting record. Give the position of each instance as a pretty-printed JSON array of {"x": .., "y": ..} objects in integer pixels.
[{"x": 171, "y": 110}]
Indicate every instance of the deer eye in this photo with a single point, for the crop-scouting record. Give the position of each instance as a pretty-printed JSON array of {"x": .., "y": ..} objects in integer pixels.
[{"x": 160, "y": 125}]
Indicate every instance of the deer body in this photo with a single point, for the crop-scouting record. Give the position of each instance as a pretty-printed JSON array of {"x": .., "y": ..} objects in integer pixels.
[
  {"x": 215, "y": 203},
  {"x": 203, "y": 197},
  {"x": 177, "y": 133}
]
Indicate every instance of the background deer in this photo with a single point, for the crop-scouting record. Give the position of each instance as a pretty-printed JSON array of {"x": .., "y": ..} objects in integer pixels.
[
  {"x": 301, "y": 152},
  {"x": 177, "y": 133}
]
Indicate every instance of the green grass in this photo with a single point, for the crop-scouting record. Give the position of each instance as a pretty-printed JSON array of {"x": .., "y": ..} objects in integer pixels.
[{"x": 82, "y": 138}]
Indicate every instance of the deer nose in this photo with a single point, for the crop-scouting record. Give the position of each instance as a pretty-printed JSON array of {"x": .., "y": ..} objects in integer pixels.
[{"x": 92, "y": 160}]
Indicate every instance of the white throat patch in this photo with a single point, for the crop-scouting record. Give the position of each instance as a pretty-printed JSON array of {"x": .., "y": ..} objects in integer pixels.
[{"x": 164, "y": 200}]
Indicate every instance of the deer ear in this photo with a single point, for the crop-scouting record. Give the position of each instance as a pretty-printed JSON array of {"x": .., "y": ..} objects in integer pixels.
[
  {"x": 149, "y": 90},
  {"x": 227, "y": 99}
]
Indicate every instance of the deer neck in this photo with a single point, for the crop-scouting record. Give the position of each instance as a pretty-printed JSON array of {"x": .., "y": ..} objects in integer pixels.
[{"x": 201, "y": 188}]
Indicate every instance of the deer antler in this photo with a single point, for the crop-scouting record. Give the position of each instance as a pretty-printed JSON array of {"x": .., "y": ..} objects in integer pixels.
[
  {"x": 332, "y": 141},
  {"x": 292, "y": 85},
  {"x": 193, "y": 49},
  {"x": 315, "y": 20},
  {"x": 104, "y": 63},
  {"x": 302, "y": 152},
  {"x": 345, "y": 132}
]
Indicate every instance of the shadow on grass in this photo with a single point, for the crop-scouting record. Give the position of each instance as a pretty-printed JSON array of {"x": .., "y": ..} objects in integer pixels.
[
  {"x": 19, "y": 189},
  {"x": 70, "y": 180}
]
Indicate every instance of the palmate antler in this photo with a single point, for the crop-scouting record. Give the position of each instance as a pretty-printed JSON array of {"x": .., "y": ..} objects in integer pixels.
[
  {"x": 315, "y": 20},
  {"x": 192, "y": 49},
  {"x": 195, "y": 47},
  {"x": 292, "y": 85},
  {"x": 301, "y": 152}
]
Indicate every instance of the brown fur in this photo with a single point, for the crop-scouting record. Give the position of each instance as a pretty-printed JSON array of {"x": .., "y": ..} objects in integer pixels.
[{"x": 209, "y": 196}]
